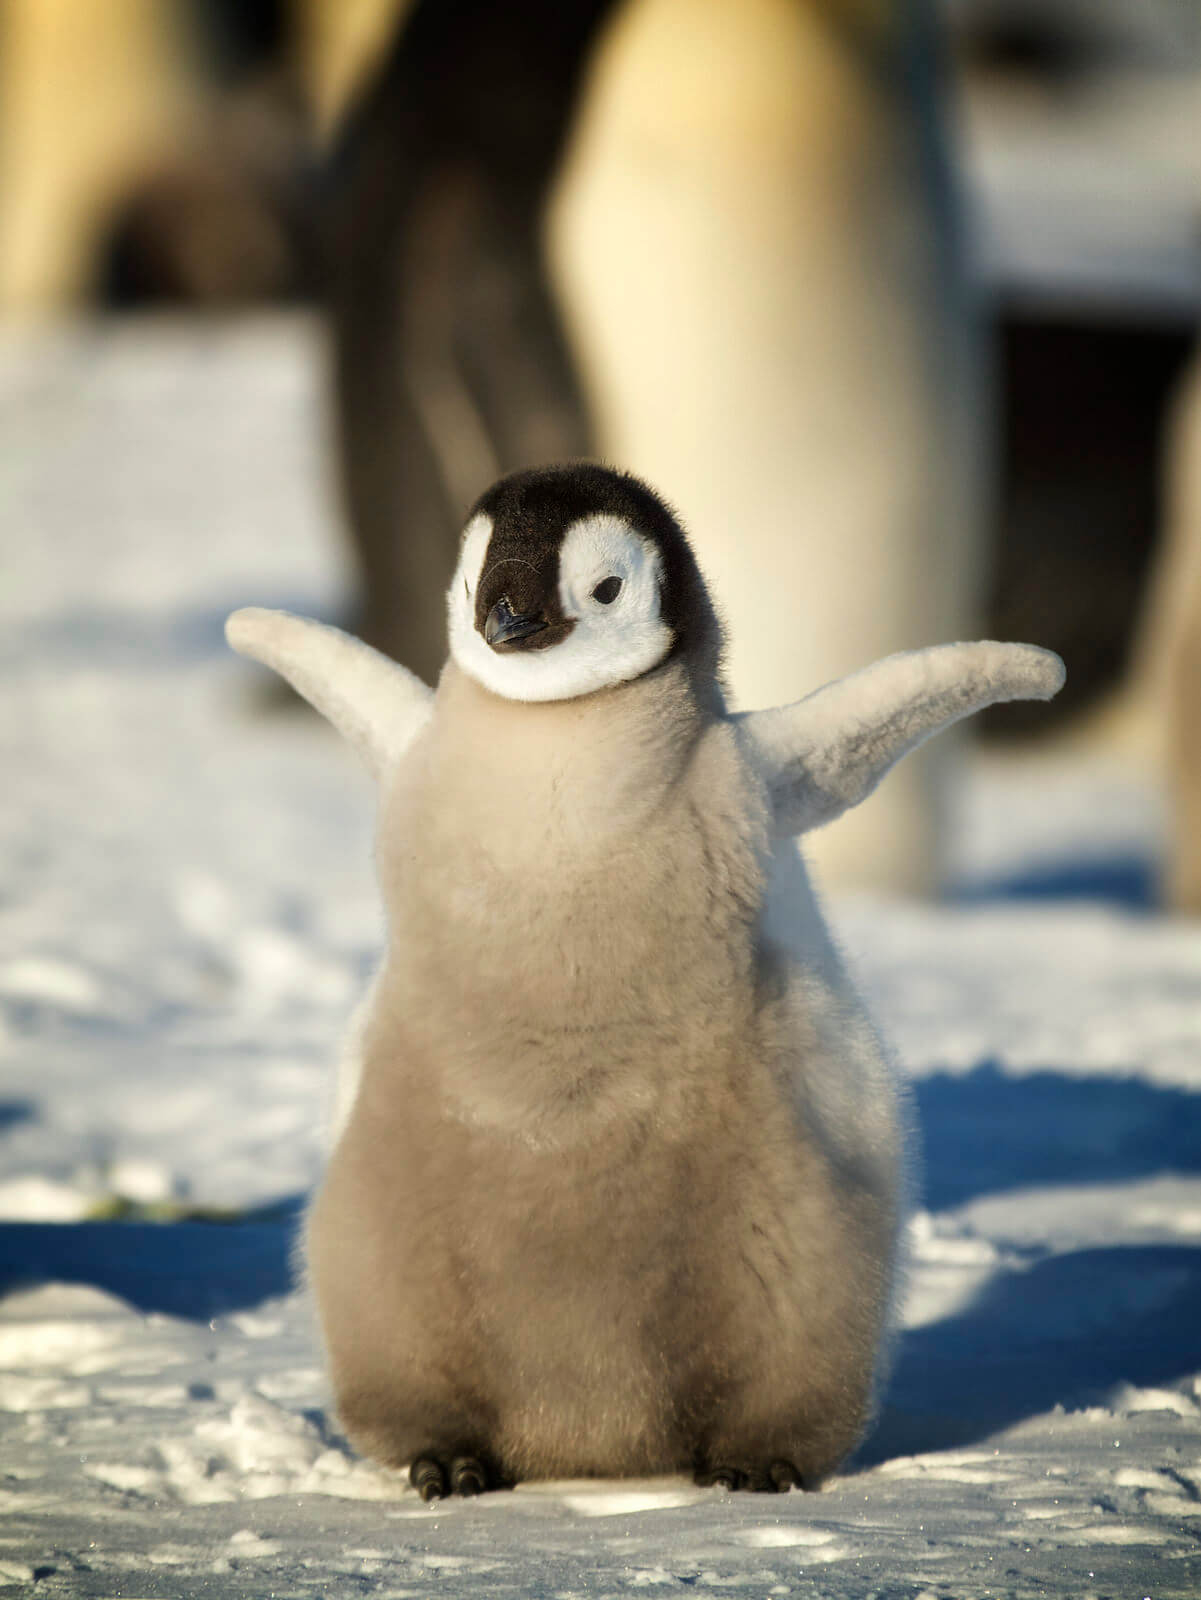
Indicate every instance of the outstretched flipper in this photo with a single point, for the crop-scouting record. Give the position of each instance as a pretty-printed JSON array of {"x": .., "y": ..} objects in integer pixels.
[
  {"x": 826, "y": 753},
  {"x": 375, "y": 704}
]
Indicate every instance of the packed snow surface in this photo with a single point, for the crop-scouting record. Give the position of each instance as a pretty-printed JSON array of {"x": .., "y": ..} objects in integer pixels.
[{"x": 187, "y": 915}]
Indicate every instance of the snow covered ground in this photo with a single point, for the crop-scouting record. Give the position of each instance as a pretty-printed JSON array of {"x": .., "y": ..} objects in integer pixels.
[{"x": 186, "y": 916}]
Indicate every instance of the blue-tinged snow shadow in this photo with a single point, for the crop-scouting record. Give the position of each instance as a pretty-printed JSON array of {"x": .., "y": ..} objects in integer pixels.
[
  {"x": 1064, "y": 1331},
  {"x": 14, "y": 1111},
  {"x": 1068, "y": 1328},
  {"x": 986, "y": 1132},
  {"x": 123, "y": 640},
  {"x": 1129, "y": 881},
  {"x": 198, "y": 1270}
]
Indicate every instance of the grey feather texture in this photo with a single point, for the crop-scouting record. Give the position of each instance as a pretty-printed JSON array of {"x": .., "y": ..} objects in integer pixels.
[
  {"x": 827, "y": 752},
  {"x": 621, "y": 1174},
  {"x": 375, "y": 704}
]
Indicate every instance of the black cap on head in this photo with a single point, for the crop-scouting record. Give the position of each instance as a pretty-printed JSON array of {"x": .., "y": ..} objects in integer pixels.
[{"x": 530, "y": 511}]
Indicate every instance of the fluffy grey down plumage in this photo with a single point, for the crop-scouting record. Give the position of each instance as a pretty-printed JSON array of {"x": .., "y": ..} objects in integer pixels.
[{"x": 622, "y": 1168}]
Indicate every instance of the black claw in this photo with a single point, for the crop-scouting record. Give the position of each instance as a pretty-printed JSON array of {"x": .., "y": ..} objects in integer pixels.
[
  {"x": 777, "y": 1478},
  {"x": 427, "y": 1477},
  {"x": 468, "y": 1476},
  {"x": 435, "y": 1476},
  {"x": 720, "y": 1478}
]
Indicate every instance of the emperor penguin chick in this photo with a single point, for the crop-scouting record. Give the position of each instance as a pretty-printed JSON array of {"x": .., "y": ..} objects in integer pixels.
[{"x": 621, "y": 1176}]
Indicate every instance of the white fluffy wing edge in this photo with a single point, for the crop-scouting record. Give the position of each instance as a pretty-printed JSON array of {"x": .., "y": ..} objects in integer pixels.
[
  {"x": 377, "y": 705},
  {"x": 826, "y": 753}
]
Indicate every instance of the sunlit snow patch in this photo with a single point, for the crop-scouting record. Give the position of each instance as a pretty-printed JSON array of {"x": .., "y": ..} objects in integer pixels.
[
  {"x": 819, "y": 1544},
  {"x": 607, "y": 1498}
]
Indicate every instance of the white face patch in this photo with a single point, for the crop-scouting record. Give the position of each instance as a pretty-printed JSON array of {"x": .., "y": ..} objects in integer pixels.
[{"x": 617, "y": 637}]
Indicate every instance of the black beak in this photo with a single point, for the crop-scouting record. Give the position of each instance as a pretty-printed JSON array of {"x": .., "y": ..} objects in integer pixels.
[{"x": 505, "y": 626}]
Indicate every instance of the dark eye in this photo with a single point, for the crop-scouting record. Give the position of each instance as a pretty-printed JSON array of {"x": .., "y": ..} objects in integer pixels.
[{"x": 607, "y": 591}]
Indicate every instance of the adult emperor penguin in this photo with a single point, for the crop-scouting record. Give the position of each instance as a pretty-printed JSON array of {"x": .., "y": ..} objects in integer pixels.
[{"x": 621, "y": 1181}]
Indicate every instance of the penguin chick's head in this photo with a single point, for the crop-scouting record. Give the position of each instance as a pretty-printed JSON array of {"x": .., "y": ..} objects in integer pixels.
[{"x": 572, "y": 579}]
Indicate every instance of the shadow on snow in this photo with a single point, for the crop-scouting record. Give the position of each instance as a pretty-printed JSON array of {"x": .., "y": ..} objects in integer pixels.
[
  {"x": 15, "y": 1111},
  {"x": 986, "y": 1132},
  {"x": 1130, "y": 881},
  {"x": 1061, "y": 1331},
  {"x": 1064, "y": 1331},
  {"x": 186, "y": 1269}
]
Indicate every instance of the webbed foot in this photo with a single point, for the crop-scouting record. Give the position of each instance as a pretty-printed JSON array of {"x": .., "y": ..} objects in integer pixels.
[
  {"x": 776, "y": 1477},
  {"x": 434, "y": 1476}
]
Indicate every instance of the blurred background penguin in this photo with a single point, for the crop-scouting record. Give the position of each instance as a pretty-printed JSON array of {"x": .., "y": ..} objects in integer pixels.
[{"x": 895, "y": 299}]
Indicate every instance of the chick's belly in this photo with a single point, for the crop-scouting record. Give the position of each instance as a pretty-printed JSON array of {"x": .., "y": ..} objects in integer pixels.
[{"x": 583, "y": 1377}]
